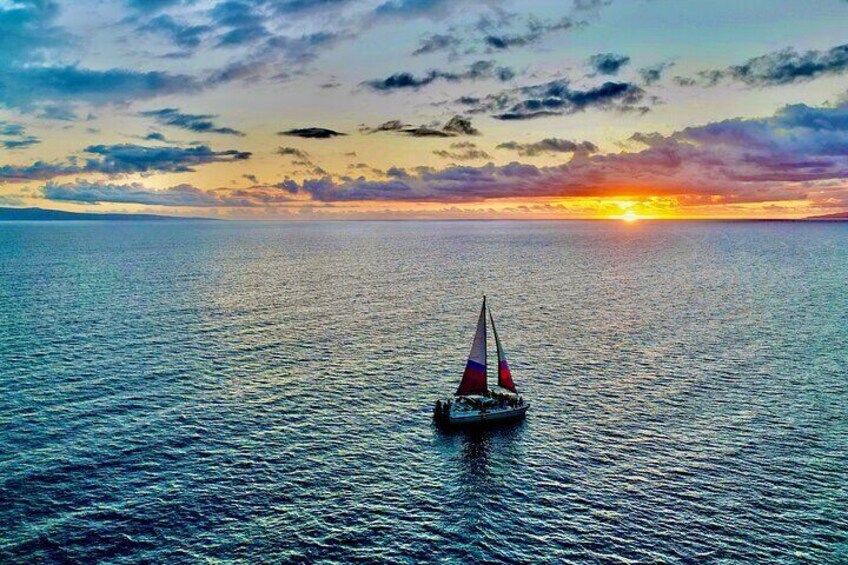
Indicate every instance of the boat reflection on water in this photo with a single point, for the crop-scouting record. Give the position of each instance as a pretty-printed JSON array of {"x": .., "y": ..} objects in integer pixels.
[{"x": 482, "y": 451}]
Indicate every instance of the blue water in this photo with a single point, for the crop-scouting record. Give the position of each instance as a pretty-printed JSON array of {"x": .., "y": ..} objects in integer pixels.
[{"x": 261, "y": 393}]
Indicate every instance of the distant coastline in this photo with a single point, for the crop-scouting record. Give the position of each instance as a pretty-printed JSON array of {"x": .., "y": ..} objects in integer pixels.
[
  {"x": 836, "y": 216},
  {"x": 42, "y": 215},
  {"x": 46, "y": 215}
]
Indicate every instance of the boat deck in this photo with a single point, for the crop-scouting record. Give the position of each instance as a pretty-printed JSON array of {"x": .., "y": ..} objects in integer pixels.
[{"x": 481, "y": 409}]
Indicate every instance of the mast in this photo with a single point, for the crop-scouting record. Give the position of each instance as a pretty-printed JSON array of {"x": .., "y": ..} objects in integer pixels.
[
  {"x": 476, "y": 369},
  {"x": 504, "y": 374}
]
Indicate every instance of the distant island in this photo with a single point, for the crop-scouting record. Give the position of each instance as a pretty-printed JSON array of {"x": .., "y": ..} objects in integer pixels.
[
  {"x": 836, "y": 216},
  {"x": 42, "y": 215}
]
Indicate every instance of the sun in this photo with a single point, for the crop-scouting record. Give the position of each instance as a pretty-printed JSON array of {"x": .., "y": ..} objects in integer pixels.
[{"x": 629, "y": 216}]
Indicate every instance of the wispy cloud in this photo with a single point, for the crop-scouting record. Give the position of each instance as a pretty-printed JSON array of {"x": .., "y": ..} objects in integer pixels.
[
  {"x": 786, "y": 66},
  {"x": 558, "y": 97},
  {"x": 407, "y": 81},
  {"x": 183, "y": 195},
  {"x": 124, "y": 158},
  {"x": 550, "y": 145},
  {"x": 201, "y": 123},
  {"x": 463, "y": 151}
]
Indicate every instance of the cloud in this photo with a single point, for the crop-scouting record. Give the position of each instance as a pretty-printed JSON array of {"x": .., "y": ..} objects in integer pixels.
[
  {"x": 557, "y": 98},
  {"x": 200, "y": 123},
  {"x": 183, "y": 195},
  {"x": 391, "y": 125},
  {"x": 536, "y": 30},
  {"x": 20, "y": 143},
  {"x": 27, "y": 30},
  {"x": 800, "y": 153},
  {"x": 463, "y": 151},
  {"x": 293, "y": 151},
  {"x": 124, "y": 158},
  {"x": 152, "y": 5},
  {"x": 186, "y": 36},
  {"x": 460, "y": 125},
  {"x": 457, "y": 125},
  {"x": 24, "y": 87},
  {"x": 129, "y": 158},
  {"x": 311, "y": 133},
  {"x": 478, "y": 70},
  {"x": 16, "y": 135},
  {"x": 654, "y": 73},
  {"x": 437, "y": 42},
  {"x": 415, "y": 8},
  {"x": 550, "y": 145},
  {"x": 242, "y": 22},
  {"x": 786, "y": 66},
  {"x": 29, "y": 37},
  {"x": 608, "y": 63}
]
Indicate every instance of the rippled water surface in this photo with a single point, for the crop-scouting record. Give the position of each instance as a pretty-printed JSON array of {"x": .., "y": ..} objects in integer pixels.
[{"x": 250, "y": 393}]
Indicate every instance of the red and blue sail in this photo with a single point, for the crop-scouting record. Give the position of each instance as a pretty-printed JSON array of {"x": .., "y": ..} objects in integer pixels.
[
  {"x": 504, "y": 374},
  {"x": 474, "y": 377}
]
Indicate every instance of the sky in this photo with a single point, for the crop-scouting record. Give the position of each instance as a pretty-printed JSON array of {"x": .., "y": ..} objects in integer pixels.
[{"x": 417, "y": 109}]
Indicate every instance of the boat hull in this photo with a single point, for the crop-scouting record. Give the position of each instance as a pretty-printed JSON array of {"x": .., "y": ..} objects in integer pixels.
[{"x": 485, "y": 417}]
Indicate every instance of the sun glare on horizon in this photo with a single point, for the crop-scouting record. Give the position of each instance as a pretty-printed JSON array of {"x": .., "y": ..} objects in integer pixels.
[{"x": 629, "y": 216}]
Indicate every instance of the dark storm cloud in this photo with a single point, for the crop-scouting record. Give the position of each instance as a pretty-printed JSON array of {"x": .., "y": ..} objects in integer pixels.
[
  {"x": 608, "y": 63},
  {"x": 780, "y": 67},
  {"x": 408, "y": 81},
  {"x": 550, "y": 145},
  {"x": 201, "y": 123},
  {"x": 311, "y": 133}
]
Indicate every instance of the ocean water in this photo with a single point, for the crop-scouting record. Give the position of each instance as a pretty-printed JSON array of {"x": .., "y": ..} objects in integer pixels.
[{"x": 261, "y": 393}]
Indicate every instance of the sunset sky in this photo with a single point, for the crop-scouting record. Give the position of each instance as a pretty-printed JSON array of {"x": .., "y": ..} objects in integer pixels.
[{"x": 321, "y": 109}]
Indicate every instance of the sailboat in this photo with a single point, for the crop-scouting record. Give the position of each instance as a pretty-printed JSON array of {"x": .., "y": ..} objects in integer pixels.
[{"x": 473, "y": 402}]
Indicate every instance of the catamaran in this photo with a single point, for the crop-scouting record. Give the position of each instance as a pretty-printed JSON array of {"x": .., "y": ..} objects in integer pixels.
[{"x": 473, "y": 402}]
